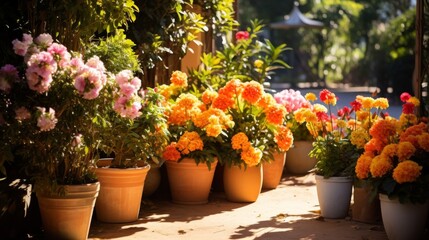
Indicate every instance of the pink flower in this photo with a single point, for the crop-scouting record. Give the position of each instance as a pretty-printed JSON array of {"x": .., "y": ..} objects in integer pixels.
[
  {"x": 123, "y": 77},
  {"x": 60, "y": 53},
  {"x": 8, "y": 75},
  {"x": 77, "y": 140},
  {"x": 405, "y": 97},
  {"x": 127, "y": 107},
  {"x": 242, "y": 35},
  {"x": 88, "y": 82},
  {"x": 47, "y": 120},
  {"x": 22, "y": 113},
  {"x": 292, "y": 100},
  {"x": 20, "y": 47},
  {"x": 44, "y": 40},
  {"x": 41, "y": 66}
]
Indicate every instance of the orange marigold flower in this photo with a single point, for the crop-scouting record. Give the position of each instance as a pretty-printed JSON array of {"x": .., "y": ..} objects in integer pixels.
[
  {"x": 362, "y": 166},
  {"x": 187, "y": 101},
  {"x": 208, "y": 96},
  {"x": 231, "y": 88},
  {"x": 284, "y": 138},
  {"x": 213, "y": 130},
  {"x": 423, "y": 141},
  {"x": 380, "y": 166},
  {"x": 382, "y": 129},
  {"x": 171, "y": 153},
  {"x": 362, "y": 115},
  {"x": 275, "y": 113},
  {"x": 381, "y": 103},
  {"x": 223, "y": 102},
  {"x": 415, "y": 101},
  {"x": 374, "y": 145},
  {"x": 189, "y": 142},
  {"x": 251, "y": 156},
  {"x": 252, "y": 91},
  {"x": 406, "y": 171},
  {"x": 405, "y": 151},
  {"x": 266, "y": 100},
  {"x": 179, "y": 79},
  {"x": 390, "y": 150},
  {"x": 240, "y": 141},
  {"x": 310, "y": 97},
  {"x": 411, "y": 133}
]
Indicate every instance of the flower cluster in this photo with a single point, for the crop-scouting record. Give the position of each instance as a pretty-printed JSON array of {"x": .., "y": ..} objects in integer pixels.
[
  {"x": 294, "y": 102},
  {"x": 195, "y": 125},
  {"x": 260, "y": 128},
  {"x": 395, "y": 158},
  {"x": 48, "y": 106}
]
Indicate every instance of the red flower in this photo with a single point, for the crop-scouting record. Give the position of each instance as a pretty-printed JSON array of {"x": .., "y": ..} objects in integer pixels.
[
  {"x": 242, "y": 35},
  {"x": 328, "y": 97},
  {"x": 356, "y": 106},
  {"x": 322, "y": 116},
  {"x": 405, "y": 97},
  {"x": 408, "y": 108}
]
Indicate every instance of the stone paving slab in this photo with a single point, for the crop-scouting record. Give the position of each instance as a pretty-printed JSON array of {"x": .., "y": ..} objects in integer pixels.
[{"x": 290, "y": 211}]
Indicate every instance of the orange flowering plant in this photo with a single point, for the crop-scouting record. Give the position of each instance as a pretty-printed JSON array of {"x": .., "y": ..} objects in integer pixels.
[
  {"x": 259, "y": 123},
  {"x": 338, "y": 139},
  {"x": 195, "y": 126},
  {"x": 395, "y": 161}
]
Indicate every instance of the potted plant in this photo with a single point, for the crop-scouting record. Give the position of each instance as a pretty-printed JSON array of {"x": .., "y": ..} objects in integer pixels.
[
  {"x": 395, "y": 165},
  {"x": 258, "y": 131},
  {"x": 196, "y": 128},
  {"x": 48, "y": 107},
  {"x": 298, "y": 160}
]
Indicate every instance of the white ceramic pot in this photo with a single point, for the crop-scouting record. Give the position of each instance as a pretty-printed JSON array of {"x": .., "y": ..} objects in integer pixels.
[
  {"x": 403, "y": 221},
  {"x": 334, "y": 196}
]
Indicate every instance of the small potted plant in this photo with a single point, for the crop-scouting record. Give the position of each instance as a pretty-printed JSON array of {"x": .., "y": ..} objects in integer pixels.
[
  {"x": 193, "y": 152},
  {"x": 298, "y": 160},
  {"x": 395, "y": 165}
]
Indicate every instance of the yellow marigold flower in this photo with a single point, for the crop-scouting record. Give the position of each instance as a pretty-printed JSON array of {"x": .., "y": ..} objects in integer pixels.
[
  {"x": 266, "y": 100},
  {"x": 189, "y": 142},
  {"x": 367, "y": 102},
  {"x": 165, "y": 91},
  {"x": 187, "y": 101},
  {"x": 208, "y": 96},
  {"x": 213, "y": 130},
  {"x": 299, "y": 115},
  {"x": 341, "y": 123},
  {"x": 239, "y": 140},
  {"x": 408, "y": 119},
  {"x": 251, "y": 156},
  {"x": 319, "y": 108},
  {"x": 362, "y": 166},
  {"x": 311, "y": 97},
  {"x": 353, "y": 124},
  {"x": 405, "y": 151},
  {"x": 381, "y": 103},
  {"x": 359, "y": 98},
  {"x": 258, "y": 63},
  {"x": 414, "y": 101},
  {"x": 275, "y": 114},
  {"x": 362, "y": 115},
  {"x": 311, "y": 116},
  {"x": 406, "y": 171},
  {"x": 171, "y": 153},
  {"x": 390, "y": 150},
  {"x": 252, "y": 91},
  {"x": 179, "y": 79},
  {"x": 423, "y": 141},
  {"x": 359, "y": 137},
  {"x": 380, "y": 166},
  {"x": 284, "y": 138}
]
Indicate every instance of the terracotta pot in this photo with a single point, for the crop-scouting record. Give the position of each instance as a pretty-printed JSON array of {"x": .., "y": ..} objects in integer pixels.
[
  {"x": 68, "y": 216},
  {"x": 334, "y": 195},
  {"x": 365, "y": 209},
  {"x": 298, "y": 161},
  {"x": 152, "y": 181},
  {"x": 272, "y": 171},
  {"x": 190, "y": 183},
  {"x": 120, "y": 193},
  {"x": 403, "y": 221},
  {"x": 242, "y": 185}
]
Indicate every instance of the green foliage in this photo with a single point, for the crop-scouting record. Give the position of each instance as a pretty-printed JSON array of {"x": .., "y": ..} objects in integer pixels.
[
  {"x": 335, "y": 158},
  {"x": 237, "y": 61},
  {"x": 116, "y": 52}
]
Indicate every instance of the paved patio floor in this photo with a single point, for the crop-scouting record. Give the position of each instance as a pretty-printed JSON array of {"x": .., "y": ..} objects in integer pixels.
[{"x": 290, "y": 211}]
